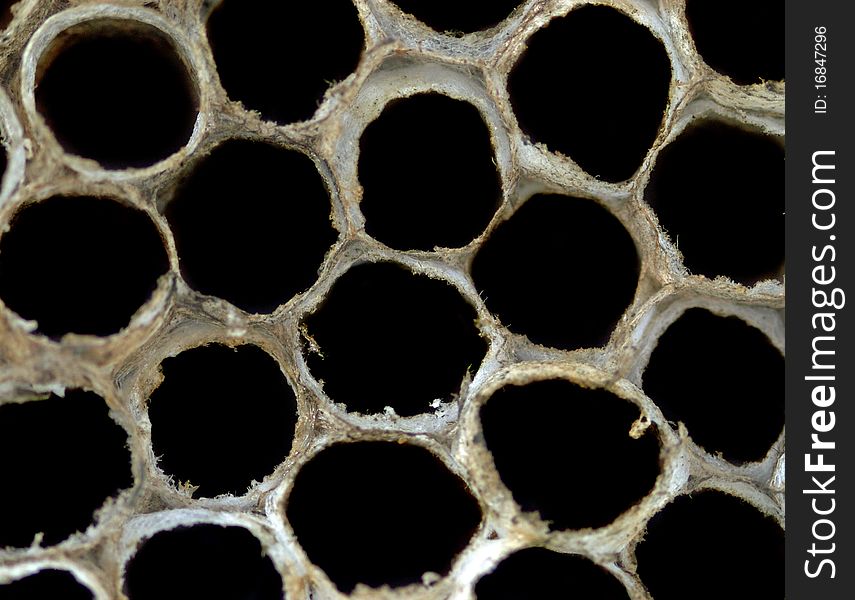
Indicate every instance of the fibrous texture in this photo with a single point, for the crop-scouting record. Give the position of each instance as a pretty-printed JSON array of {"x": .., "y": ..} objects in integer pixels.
[{"x": 382, "y": 299}]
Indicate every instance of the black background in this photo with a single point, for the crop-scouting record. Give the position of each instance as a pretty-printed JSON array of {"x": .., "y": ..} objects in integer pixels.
[{"x": 807, "y": 133}]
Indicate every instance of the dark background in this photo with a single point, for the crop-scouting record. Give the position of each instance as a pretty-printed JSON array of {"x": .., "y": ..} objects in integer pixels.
[{"x": 807, "y": 133}]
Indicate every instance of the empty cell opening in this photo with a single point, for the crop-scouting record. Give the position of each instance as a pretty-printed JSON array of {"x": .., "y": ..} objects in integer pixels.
[
  {"x": 61, "y": 458},
  {"x": 718, "y": 191},
  {"x": 48, "y": 583},
  {"x": 541, "y": 573},
  {"x": 6, "y": 16},
  {"x": 202, "y": 561},
  {"x": 712, "y": 532},
  {"x": 277, "y": 58},
  {"x": 429, "y": 174},
  {"x": 388, "y": 337},
  {"x": 117, "y": 92},
  {"x": 244, "y": 208},
  {"x": 454, "y": 17},
  {"x": 222, "y": 418},
  {"x": 723, "y": 379},
  {"x": 758, "y": 24},
  {"x": 380, "y": 513},
  {"x": 565, "y": 451},
  {"x": 561, "y": 271},
  {"x": 79, "y": 264},
  {"x": 603, "y": 111}
]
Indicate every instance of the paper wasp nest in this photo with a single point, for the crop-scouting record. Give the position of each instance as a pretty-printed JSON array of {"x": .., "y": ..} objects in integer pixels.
[{"x": 389, "y": 299}]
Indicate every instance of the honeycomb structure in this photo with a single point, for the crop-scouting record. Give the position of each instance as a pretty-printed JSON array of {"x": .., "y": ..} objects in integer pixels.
[{"x": 515, "y": 447}]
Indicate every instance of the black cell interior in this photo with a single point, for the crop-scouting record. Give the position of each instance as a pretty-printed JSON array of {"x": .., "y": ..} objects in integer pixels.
[
  {"x": 593, "y": 86},
  {"x": 117, "y": 92},
  {"x": 6, "y": 16},
  {"x": 380, "y": 513},
  {"x": 453, "y": 16},
  {"x": 718, "y": 191},
  {"x": 222, "y": 417},
  {"x": 757, "y": 24},
  {"x": 278, "y": 58},
  {"x": 202, "y": 561},
  {"x": 389, "y": 337},
  {"x": 252, "y": 224},
  {"x": 49, "y": 583},
  {"x": 61, "y": 458},
  {"x": 80, "y": 264},
  {"x": 565, "y": 451},
  {"x": 429, "y": 174},
  {"x": 541, "y": 573},
  {"x": 561, "y": 271},
  {"x": 723, "y": 379},
  {"x": 712, "y": 533}
]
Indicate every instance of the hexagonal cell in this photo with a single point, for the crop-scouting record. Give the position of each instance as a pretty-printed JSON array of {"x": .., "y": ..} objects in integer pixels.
[
  {"x": 245, "y": 207},
  {"x": 454, "y": 17},
  {"x": 723, "y": 379},
  {"x": 541, "y": 573},
  {"x": 116, "y": 91},
  {"x": 733, "y": 224},
  {"x": 429, "y": 174},
  {"x": 202, "y": 561},
  {"x": 603, "y": 103},
  {"x": 565, "y": 451},
  {"x": 561, "y": 271},
  {"x": 222, "y": 417},
  {"x": 759, "y": 25},
  {"x": 388, "y": 337},
  {"x": 48, "y": 583},
  {"x": 79, "y": 264},
  {"x": 706, "y": 533},
  {"x": 61, "y": 458},
  {"x": 380, "y": 513},
  {"x": 277, "y": 58}
]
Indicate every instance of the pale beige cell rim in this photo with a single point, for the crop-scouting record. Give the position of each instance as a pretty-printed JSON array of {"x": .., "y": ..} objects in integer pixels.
[
  {"x": 112, "y": 510},
  {"x": 470, "y": 437},
  {"x": 80, "y": 573},
  {"x": 42, "y": 41},
  {"x": 15, "y": 146},
  {"x": 149, "y": 316},
  {"x": 420, "y": 77},
  {"x": 150, "y": 378},
  {"x": 536, "y": 156},
  {"x": 138, "y": 530},
  {"x": 277, "y": 506}
]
